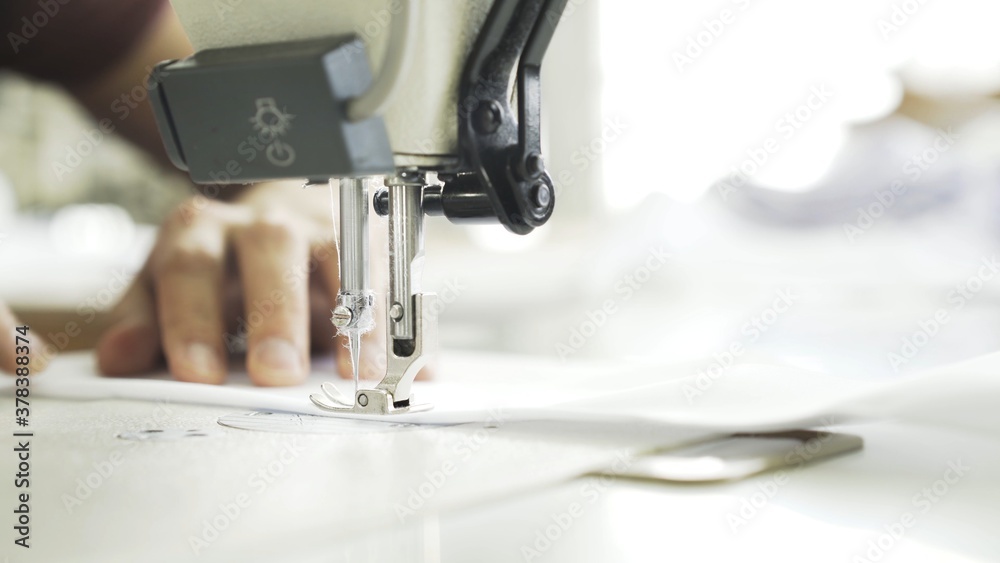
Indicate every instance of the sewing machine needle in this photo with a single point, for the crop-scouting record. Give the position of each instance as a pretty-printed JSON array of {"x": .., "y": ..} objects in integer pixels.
[
  {"x": 354, "y": 341},
  {"x": 355, "y": 301}
]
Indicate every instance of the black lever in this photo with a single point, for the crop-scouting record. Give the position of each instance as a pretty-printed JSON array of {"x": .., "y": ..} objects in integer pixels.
[{"x": 503, "y": 174}]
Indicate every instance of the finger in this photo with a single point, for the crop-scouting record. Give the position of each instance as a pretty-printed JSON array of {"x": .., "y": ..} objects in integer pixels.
[
  {"x": 273, "y": 258},
  {"x": 187, "y": 269},
  {"x": 131, "y": 345}
]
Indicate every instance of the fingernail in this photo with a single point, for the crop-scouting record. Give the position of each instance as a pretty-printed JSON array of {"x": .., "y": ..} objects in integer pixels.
[
  {"x": 277, "y": 361},
  {"x": 203, "y": 363}
]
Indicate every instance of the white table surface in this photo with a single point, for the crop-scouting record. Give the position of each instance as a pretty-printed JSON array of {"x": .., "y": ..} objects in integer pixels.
[{"x": 337, "y": 498}]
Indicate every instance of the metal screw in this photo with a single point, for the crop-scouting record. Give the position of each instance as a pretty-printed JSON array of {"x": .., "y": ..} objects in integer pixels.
[
  {"x": 487, "y": 117},
  {"x": 363, "y": 400},
  {"x": 342, "y": 316},
  {"x": 381, "y": 202},
  {"x": 396, "y": 311},
  {"x": 541, "y": 195}
]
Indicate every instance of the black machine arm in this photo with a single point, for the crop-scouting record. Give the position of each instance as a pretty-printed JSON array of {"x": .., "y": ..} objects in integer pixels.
[{"x": 503, "y": 174}]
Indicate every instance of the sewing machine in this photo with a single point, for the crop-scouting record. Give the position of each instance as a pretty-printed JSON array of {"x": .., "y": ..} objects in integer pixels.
[{"x": 450, "y": 122}]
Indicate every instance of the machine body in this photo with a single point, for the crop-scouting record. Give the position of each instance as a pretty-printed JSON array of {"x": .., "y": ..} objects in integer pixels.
[{"x": 287, "y": 103}]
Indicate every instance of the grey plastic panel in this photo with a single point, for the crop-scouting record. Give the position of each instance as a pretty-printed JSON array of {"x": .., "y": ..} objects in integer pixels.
[{"x": 266, "y": 112}]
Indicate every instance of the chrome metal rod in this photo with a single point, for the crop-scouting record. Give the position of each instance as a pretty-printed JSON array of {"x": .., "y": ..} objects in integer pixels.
[
  {"x": 406, "y": 251},
  {"x": 353, "y": 235}
]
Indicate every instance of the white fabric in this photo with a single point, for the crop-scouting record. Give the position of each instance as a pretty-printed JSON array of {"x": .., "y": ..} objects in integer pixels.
[{"x": 471, "y": 387}]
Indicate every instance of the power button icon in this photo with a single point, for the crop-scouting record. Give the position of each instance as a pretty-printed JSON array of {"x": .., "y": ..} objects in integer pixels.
[{"x": 280, "y": 154}]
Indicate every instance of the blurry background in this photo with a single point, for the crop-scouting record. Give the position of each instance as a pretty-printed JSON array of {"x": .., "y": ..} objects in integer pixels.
[{"x": 796, "y": 182}]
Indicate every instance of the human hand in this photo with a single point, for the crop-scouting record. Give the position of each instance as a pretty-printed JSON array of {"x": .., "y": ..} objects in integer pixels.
[{"x": 261, "y": 271}]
